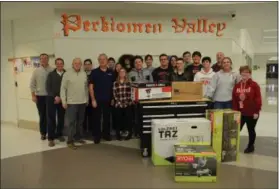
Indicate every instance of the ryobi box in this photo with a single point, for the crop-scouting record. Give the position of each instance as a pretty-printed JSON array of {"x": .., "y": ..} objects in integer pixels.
[
  {"x": 194, "y": 163},
  {"x": 151, "y": 91},
  {"x": 168, "y": 132},
  {"x": 225, "y": 125}
]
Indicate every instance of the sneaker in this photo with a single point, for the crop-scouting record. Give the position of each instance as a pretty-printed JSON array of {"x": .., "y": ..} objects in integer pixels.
[
  {"x": 72, "y": 146},
  {"x": 51, "y": 143},
  {"x": 97, "y": 141},
  {"x": 249, "y": 150},
  {"x": 61, "y": 139},
  {"x": 125, "y": 133},
  {"x": 43, "y": 137}
]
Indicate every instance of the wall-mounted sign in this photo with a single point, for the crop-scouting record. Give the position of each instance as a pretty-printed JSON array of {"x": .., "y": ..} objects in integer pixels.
[{"x": 76, "y": 23}]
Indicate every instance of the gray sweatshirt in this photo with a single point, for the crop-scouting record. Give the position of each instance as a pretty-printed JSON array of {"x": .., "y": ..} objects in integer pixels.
[
  {"x": 221, "y": 86},
  {"x": 140, "y": 76},
  {"x": 38, "y": 80},
  {"x": 74, "y": 87}
]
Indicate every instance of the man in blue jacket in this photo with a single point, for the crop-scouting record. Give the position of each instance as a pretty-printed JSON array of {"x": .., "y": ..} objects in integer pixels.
[{"x": 100, "y": 88}]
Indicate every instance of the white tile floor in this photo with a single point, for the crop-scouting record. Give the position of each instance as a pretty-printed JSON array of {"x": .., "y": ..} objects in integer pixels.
[{"x": 16, "y": 141}]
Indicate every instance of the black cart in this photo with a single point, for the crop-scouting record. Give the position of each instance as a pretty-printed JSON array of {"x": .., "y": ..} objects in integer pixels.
[{"x": 165, "y": 109}]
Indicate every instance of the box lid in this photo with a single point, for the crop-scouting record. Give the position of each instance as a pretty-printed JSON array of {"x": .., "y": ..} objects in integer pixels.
[{"x": 150, "y": 85}]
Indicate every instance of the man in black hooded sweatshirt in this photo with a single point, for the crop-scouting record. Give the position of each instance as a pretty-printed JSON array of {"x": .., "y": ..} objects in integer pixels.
[{"x": 192, "y": 69}]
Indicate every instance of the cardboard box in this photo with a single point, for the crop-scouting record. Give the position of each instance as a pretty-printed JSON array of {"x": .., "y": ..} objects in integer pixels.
[
  {"x": 168, "y": 132},
  {"x": 187, "y": 90},
  {"x": 225, "y": 126},
  {"x": 195, "y": 163},
  {"x": 151, "y": 91}
]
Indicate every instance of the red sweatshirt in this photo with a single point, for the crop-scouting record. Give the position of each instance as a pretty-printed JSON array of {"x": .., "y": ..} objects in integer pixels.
[{"x": 252, "y": 103}]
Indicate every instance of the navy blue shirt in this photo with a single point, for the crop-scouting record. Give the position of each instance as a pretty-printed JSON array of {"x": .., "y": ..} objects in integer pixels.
[{"x": 102, "y": 84}]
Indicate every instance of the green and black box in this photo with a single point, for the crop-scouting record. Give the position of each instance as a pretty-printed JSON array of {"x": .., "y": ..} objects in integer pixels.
[
  {"x": 195, "y": 163},
  {"x": 225, "y": 128}
]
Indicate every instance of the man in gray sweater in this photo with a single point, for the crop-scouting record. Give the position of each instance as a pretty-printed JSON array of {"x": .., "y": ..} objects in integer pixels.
[
  {"x": 74, "y": 96},
  {"x": 39, "y": 92}
]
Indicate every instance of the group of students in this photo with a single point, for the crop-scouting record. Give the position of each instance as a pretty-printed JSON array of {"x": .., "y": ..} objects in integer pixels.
[{"x": 90, "y": 96}]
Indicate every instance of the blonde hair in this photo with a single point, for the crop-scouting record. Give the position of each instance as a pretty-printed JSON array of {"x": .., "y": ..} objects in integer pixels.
[
  {"x": 75, "y": 59},
  {"x": 228, "y": 58},
  {"x": 126, "y": 78}
]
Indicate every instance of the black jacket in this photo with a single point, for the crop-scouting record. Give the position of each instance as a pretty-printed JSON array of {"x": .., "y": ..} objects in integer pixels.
[
  {"x": 88, "y": 81},
  {"x": 216, "y": 67},
  {"x": 53, "y": 83},
  {"x": 192, "y": 70},
  {"x": 183, "y": 77}
]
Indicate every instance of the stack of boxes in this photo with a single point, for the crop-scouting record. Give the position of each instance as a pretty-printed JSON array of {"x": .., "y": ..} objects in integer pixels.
[
  {"x": 196, "y": 160},
  {"x": 168, "y": 132}
]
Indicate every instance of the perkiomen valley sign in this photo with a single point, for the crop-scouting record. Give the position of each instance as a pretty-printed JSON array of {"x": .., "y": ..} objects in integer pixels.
[{"x": 76, "y": 23}]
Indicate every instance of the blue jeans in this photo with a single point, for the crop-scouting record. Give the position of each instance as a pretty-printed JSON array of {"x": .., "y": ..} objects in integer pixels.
[{"x": 223, "y": 105}]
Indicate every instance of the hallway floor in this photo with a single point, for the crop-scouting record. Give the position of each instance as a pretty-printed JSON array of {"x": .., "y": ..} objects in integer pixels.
[{"x": 28, "y": 162}]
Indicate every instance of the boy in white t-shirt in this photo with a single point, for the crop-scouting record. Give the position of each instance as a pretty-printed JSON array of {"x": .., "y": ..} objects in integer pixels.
[{"x": 206, "y": 73}]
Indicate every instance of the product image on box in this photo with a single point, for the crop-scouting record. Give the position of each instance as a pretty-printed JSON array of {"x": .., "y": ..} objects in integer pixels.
[
  {"x": 225, "y": 133},
  {"x": 195, "y": 163},
  {"x": 151, "y": 91},
  {"x": 168, "y": 132}
]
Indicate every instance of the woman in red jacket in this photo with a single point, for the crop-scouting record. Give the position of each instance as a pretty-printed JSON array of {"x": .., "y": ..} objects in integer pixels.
[{"x": 247, "y": 99}]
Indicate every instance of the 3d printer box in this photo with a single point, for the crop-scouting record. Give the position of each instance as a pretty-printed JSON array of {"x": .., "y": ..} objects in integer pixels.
[
  {"x": 168, "y": 132},
  {"x": 182, "y": 90},
  {"x": 151, "y": 91},
  {"x": 225, "y": 127},
  {"x": 195, "y": 163}
]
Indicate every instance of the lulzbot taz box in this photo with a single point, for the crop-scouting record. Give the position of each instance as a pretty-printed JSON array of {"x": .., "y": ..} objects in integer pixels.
[
  {"x": 194, "y": 163},
  {"x": 225, "y": 126},
  {"x": 168, "y": 132},
  {"x": 151, "y": 91}
]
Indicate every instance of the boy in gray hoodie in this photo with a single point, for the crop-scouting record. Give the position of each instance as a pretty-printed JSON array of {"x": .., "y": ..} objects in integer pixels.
[
  {"x": 74, "y": 96},
  {"x": 138, "y": 74}
]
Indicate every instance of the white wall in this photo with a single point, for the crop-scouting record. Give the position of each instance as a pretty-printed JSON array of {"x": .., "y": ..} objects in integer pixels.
[
  {"x": 268, "y": 48},
  {"x": 236, "y": 56},
  {"x": 8, "y": 98},
  {"x": 30, "y": 38},
  {"x": 246, "y": 43}
]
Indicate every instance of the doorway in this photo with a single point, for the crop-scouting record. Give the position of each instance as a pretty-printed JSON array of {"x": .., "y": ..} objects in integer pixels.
[{"x": 26, "y": 108}]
